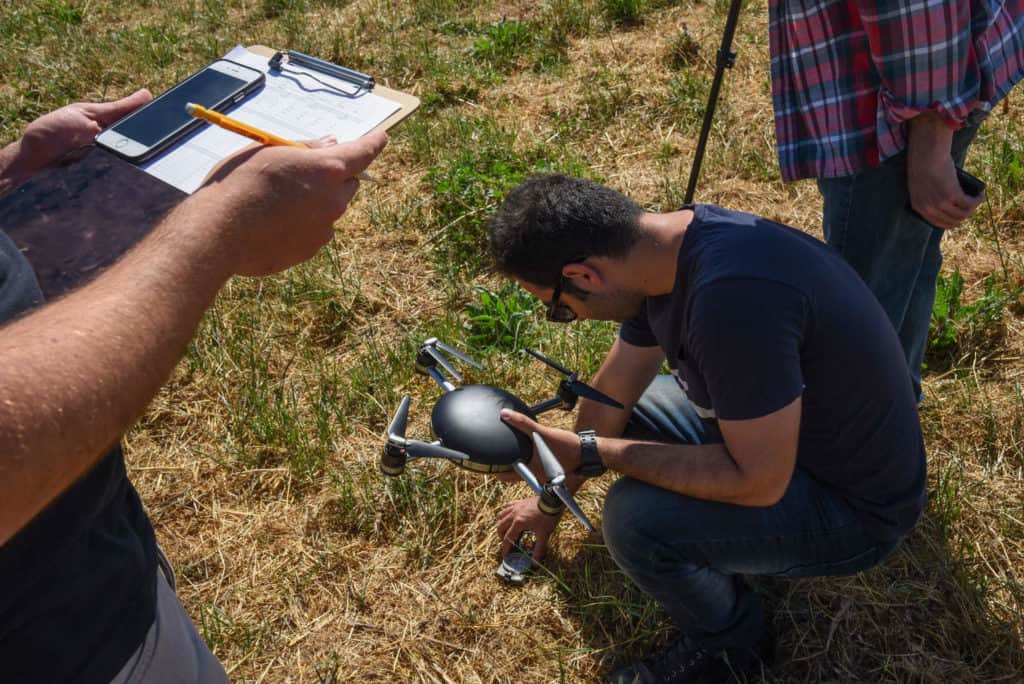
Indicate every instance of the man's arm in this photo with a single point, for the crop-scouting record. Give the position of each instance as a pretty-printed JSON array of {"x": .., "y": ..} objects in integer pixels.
[
  {"x": 930, "y": 81},
  {"x": 625, "y": 374},
  {"x": 76, "y": 374},
  {"x": 934, "y": 190},
  {"x": 752, "y": 467}
]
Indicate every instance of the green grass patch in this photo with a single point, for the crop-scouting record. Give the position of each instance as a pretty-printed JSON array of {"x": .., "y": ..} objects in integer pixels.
[{"x": 468, "y": 185}]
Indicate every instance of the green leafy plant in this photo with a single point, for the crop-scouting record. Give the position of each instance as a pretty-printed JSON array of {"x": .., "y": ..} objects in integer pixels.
[
  {"x": 502, "y": 319},
  {"x": 958, "y": 328},
  {"x": 502, "y": 43}
]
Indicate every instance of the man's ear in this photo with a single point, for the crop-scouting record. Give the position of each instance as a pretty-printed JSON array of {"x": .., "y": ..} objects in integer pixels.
[{"x": 584, "y": 276}]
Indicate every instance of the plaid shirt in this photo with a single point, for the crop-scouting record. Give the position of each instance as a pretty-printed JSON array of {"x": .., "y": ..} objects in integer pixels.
[{"x": 848, "y": 74}]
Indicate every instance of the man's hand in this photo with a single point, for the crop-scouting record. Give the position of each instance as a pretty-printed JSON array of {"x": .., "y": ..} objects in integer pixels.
[
  {"x": 47, "y": 139},
  {"x": 521, "y": 515},
  {"x": 935, "y": 193},
  {"x": 274, "y": 207},
  {"x": 565, "y": 445}
]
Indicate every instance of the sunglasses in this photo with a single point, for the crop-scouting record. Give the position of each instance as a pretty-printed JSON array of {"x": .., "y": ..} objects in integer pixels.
[{"x": 559, "y": 313}]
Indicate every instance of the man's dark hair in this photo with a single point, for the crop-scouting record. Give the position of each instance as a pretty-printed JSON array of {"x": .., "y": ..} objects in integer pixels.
[{"x": 549, "y": 221}]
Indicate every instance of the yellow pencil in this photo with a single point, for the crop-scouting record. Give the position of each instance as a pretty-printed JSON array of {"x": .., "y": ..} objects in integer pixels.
[{"x": 242, "y": 128}]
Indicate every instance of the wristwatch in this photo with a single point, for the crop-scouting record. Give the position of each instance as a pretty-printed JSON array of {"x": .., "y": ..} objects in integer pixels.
[{"x": 590, "y": 460}]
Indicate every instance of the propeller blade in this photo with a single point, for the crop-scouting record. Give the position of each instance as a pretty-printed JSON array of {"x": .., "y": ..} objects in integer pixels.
[
  {"x": 457, "y": 354},
  {"x": 563, "y": 494},
  {"x": 527, "y": 474},
  {"x": 418, "y": 449},
  {"x": 582, "y": 389},
  {"x": 540, "y": 357},
  {"x": 398, "y": 423},
  {"x": 547, "y": 459},
  {"x": 441, "y": 359}
]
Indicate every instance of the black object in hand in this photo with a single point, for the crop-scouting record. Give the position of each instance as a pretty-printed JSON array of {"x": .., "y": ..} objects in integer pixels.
[{"x": 971, "y": 185}]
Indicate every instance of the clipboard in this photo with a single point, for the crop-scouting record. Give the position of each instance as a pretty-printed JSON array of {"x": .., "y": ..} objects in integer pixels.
[
  {"x": 408, "y": 103},
  {"x": 73, "y": 220},
  {"x": 301, "y": 99}
]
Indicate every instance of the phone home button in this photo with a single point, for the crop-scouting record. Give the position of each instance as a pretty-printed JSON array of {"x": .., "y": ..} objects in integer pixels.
[{"x": 121, "y": 143}]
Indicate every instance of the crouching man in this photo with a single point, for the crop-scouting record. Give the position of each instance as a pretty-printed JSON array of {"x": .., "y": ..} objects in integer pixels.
[{"x": 786, "y": 442}]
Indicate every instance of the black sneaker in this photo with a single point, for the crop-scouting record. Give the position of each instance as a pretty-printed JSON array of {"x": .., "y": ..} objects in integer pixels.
[
  {"x": 677, "y": 663},
  {"x": 683, "y": 663}
]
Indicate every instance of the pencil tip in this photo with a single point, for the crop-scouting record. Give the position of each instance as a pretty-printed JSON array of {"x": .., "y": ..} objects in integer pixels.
[{"x": 190, "y": 108}]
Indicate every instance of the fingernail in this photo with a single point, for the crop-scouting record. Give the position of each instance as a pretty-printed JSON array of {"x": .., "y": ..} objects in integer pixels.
[{"x": 506, "y": 413}]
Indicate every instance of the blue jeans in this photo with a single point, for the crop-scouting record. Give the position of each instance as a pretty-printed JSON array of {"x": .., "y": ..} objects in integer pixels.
[
  {"x": 867, "y": 218},
  {"x": 689, "y": 554}
]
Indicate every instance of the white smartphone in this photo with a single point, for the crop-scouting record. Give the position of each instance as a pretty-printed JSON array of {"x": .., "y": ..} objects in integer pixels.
[{"x": 153, "y": 127}]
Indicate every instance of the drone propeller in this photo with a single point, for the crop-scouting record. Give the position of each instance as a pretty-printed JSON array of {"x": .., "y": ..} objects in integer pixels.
[
  {"x": 436, "y": 349},
  {"x": 443, "y": 360},
  {"x": 398, "y": 423},
  {"x": 552, "y": 467},
  {"x": 580, "y": 389},
  {"x": 540, "y": 357},
  {"x": 555, "y": 471},
  {"x": 456, "y": 353}
]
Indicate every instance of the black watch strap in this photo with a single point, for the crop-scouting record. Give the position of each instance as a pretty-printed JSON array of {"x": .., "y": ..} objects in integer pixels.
[{"x": 590, "y": 460}]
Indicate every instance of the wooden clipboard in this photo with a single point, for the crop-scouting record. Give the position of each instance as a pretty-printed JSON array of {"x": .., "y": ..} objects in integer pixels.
[
  {"x": 73, "y": 220},
  {"x": 407, "y": 103}
]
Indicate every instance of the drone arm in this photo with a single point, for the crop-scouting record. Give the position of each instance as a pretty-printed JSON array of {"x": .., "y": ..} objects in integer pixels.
[
  {"x": 547, "y": 405},
  {"x": 527, "y": 474}
]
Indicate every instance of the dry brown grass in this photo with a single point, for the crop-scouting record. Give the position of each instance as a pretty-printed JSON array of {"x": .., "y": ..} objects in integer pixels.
[{"x": 334, "y": 574}]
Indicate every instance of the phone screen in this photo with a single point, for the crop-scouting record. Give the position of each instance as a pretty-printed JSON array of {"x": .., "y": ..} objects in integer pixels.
[{"x": 167, "y": 113}]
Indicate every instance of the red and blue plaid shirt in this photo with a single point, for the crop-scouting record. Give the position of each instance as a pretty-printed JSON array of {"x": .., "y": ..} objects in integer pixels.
[{"x": 848, "y": 74}]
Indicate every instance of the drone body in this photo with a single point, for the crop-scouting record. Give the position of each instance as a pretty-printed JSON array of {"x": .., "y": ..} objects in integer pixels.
[
  {"x": 468, "y": 419},
  {"x": 467, "y": 422}
]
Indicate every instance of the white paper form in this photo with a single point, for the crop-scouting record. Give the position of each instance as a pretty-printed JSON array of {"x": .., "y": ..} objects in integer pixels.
[{"x": 291, "y": 106}]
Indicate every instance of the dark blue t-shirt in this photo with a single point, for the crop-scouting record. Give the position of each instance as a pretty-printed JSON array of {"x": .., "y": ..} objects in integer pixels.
[
  {"x": 77, "y": 584},
  {"x": 762, "y": 314}
]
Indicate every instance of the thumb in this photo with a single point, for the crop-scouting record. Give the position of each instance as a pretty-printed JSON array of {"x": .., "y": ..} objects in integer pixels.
[
  {"x": 519, "y": 421},
  {"x": 106, "y": 113},
  {"x": 357, "y": 154}
]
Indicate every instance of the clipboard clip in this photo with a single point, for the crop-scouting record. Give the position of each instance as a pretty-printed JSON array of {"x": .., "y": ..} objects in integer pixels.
[{"x": 363, "y": 82}]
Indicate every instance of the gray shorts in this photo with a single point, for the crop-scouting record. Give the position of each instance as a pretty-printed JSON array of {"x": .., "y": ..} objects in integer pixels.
[{"x": 173, "y": 651}]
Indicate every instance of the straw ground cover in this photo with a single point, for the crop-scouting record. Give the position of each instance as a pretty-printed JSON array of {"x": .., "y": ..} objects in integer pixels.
[{"x": 258, "y": 461}]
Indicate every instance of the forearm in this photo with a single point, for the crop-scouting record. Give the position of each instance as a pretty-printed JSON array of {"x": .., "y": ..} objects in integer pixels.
[
  {"x": 76, "y": 374},
  {"x": 11, "y": 173},
  {"x": 929, "y": 130},
  {"x": 701, "y": 471}
]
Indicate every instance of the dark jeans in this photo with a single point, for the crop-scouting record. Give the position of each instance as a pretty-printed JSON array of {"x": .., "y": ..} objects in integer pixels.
[
  {"x": 689, "y": 554},
  {"x": 867, "y": 218}
]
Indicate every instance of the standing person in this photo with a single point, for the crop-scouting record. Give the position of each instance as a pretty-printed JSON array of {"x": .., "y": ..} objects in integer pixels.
[
  {"x": 880, "y": 101},
  {"x": 87, "y": 595},
  {"x": 787, "y": 444}
]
